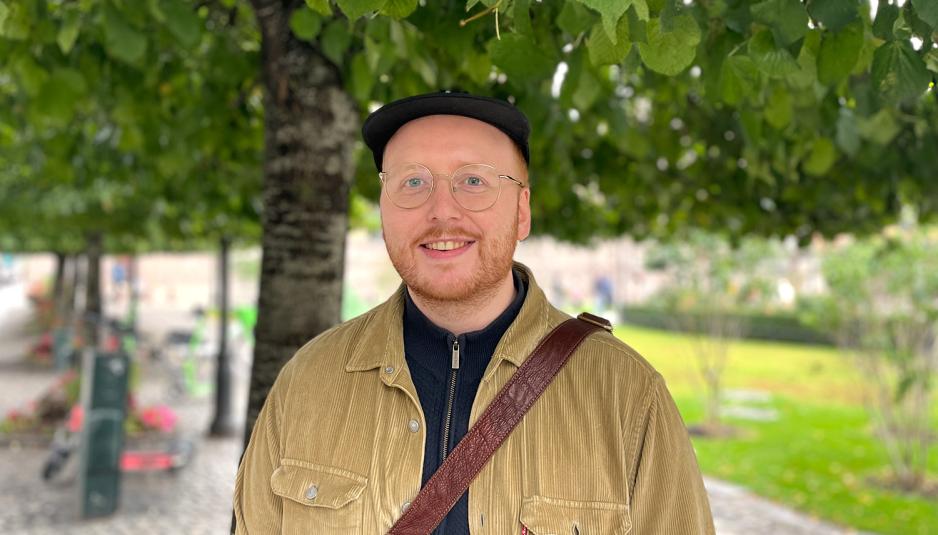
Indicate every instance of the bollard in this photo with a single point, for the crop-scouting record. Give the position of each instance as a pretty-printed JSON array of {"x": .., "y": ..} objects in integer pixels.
[{"x": 104, "y": 398}]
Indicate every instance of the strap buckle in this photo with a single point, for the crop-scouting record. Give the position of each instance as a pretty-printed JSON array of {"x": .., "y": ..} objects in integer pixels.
[{"x": 595, "y": 320}]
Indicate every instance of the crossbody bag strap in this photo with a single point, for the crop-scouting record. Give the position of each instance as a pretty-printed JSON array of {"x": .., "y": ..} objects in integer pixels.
[{"x": 472, "y": 453}]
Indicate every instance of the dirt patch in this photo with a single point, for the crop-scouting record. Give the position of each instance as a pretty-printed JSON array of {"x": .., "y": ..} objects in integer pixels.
[{"x": 924, "y": 488}]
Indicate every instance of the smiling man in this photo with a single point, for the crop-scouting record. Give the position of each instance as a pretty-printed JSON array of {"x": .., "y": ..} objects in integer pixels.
[{"x": 363, "y": 415}]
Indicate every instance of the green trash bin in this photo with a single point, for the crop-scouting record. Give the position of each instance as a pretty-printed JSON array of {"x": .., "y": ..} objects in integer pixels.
[{"x": 104, "y": 398}]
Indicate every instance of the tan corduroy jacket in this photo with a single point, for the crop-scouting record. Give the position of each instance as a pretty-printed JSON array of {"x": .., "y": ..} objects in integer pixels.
[{"x": 338, "y": 446}]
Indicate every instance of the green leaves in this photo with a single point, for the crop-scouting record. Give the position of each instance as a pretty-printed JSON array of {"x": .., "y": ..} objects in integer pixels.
[
  {"x": 29, "y": 74},
  {"x": 886, "y": 15},
  {"x": 927, "y": 10},
  {"x": 521, "y": 14},
  {"x": 789, "y": 101},
  {"x": 320, "y": 6},
  {"x": 305, "y": 24},
  {"x": 773, "y": 61},
  {"x": 739, "y": 77},
  {"x": 182, "y": 21},
  {"x": 399, "y": 9},
  {"x": 4, "y": 13},
  {"x": 670, "y": 52},
  {"x": 901, "y": 28},
  {"x": 122, "y": 41},
  {"x": 14, "y": 21},
  {"x": 821, "y": 157},
  {"x": 588, "y": 90},
  {"x": 336, "y": 40},
  {"x": 778, "y": 108},
  {"x": 68, "y": 32},
  {"x": 898, "y": 73},
  {"x": 806, "y": 76},
  {"x": 362, "y": 80},
  {"x": 574, "y": 18},
  {"x": 355, "y": 9},
  {"x": 787, "y": 18},
  {"x": 59, "y": 96},
  {"x": 839, "y": 53},
  {"x": 611, "y": 11},
  {"x": 602, "y": 51},
  {"x": 520, "y": 58},
  {"x": 931, "y": 60},
  {"x": 834, "y": 14}
]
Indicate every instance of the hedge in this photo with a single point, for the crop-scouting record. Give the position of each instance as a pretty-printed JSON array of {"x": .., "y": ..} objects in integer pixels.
[{"x": 777, "y": 327}]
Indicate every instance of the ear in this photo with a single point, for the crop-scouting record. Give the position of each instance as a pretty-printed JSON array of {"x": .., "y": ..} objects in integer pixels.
[{"x": 524, "y": 213}]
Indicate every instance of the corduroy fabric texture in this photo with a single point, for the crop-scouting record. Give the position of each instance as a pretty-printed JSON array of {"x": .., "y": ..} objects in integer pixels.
[{"x": 603, "y": 451}]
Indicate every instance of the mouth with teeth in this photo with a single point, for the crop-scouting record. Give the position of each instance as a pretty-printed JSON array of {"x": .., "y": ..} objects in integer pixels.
[
  {"x": 445, "y": 248},
  {"x": 445, "y": 245}
]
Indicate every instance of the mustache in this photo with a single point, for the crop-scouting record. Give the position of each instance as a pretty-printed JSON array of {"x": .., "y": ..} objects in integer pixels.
[{"x": 441, "y": 232}]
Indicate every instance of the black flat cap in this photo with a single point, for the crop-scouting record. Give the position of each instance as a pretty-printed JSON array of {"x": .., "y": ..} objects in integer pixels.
[{"x": 386, "y": 120}]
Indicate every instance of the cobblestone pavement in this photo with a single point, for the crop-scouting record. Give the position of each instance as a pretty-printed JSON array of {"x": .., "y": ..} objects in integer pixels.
[{"x": 197, "y": 499}]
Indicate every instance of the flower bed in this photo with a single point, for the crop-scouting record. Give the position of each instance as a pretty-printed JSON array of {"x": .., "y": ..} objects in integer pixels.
[{"x": 36, "y": 422}]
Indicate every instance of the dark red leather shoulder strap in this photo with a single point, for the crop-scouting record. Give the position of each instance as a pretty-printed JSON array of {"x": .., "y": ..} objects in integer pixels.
[{"x": 472, "y": 453}]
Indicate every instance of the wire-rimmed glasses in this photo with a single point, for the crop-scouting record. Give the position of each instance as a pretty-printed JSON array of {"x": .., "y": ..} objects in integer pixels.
[{"x": 475, "y": 187}]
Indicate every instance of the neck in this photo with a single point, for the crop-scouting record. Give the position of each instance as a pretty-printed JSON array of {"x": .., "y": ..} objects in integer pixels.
[{"x": 468, "y": 315}]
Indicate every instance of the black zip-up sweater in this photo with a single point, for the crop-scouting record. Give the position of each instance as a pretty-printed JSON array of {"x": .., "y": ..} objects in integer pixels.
[{"x": 446, "y": 394}]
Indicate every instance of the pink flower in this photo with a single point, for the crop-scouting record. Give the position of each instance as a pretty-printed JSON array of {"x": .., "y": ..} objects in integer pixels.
[
  {"x": 75, "y": 418},
  {"x": 159, "y": 417}
]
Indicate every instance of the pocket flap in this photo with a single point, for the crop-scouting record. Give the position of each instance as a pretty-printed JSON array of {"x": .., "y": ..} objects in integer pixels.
[
  {"x": 316, "y": 485},
  {"x": 550, "y": 516}
]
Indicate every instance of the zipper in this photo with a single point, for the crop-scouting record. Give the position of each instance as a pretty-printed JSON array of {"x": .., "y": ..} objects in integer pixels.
[{"x": 452, "y": 395}]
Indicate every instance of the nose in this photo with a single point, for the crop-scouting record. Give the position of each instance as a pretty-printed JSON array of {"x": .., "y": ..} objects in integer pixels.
[{"x": 441, "y": 204}]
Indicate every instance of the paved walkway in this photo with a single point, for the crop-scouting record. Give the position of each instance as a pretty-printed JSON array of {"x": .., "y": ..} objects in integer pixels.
[{"x": 197, "y": 500}]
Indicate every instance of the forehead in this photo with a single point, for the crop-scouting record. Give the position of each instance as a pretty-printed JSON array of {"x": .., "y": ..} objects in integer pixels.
[{"x": 447, "y": 140}]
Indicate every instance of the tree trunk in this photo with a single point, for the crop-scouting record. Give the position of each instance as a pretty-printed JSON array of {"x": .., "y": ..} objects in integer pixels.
[
  {"x": 222, "y": 424},
  {"x": 712, "y": 379},
  {"x": 72, "y": 283},
  {"x": 310, "y": 129},
  {"x": 133, "y": 284},
  {"x": 58, "y": 289},
  {"x": 93, "y": 309}
]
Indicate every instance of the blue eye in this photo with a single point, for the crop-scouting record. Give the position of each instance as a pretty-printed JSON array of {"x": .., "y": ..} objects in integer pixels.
[
  {"x": 414, "y": 182},
  {"x": 474, "y": 181}
]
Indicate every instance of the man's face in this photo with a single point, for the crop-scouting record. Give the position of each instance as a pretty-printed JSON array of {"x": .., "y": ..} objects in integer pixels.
[{"x": 484, "y": 241}]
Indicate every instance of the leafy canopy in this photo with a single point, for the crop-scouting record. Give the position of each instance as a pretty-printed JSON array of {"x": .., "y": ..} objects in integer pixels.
[
  {"x": 649, "y": 117},
  {"x": 139, "y": 120}
]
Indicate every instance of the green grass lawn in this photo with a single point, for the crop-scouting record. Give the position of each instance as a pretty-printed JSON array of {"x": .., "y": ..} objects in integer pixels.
[{"x": 818, "y": 456}]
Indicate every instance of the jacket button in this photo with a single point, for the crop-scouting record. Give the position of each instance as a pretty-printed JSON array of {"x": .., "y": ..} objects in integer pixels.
[
  {"x": 414, "y": 426},
  {"x": 405, "y": 507},
  {"x": 312, "y": 492},
  {"x": 389, "y": 370}
]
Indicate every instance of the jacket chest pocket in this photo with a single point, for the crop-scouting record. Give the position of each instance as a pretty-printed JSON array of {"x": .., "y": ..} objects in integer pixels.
[
  {"x": 550, "y": 516},
  {"x": 317, "y": 498}
]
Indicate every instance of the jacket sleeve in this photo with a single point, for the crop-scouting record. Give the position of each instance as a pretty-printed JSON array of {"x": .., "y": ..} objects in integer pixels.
[
  {"x": 257, "y": 509},
  {"x": 667, "y": 495}
]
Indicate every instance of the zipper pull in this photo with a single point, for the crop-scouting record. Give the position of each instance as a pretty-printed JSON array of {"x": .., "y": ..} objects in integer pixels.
[{"x": 455, "y": 364}]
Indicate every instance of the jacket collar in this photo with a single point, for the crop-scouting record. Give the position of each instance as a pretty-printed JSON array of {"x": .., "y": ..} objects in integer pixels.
[
  {"x": 381, "y": 340},
  {"x": 380, "y": 344}
]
